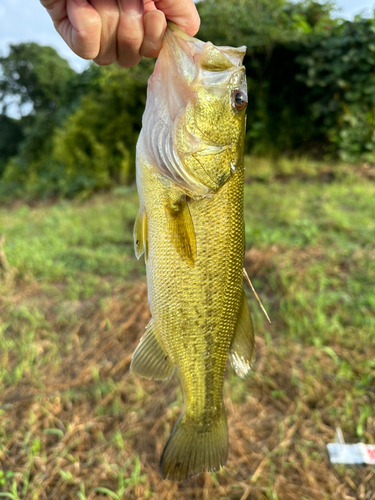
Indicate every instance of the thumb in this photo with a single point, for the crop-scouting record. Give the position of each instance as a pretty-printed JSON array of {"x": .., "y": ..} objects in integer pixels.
[{"x": 181, "y": 12}]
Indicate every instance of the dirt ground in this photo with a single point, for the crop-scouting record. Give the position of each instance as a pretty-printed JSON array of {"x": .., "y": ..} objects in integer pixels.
[{"x": 92, "y": 419}]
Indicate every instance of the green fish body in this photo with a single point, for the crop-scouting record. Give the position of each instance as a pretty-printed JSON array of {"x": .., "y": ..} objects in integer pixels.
[{"x": 190, "y": 177}]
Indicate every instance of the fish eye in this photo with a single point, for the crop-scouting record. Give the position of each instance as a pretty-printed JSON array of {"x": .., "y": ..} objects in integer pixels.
[{"x": 239, "y": 99}]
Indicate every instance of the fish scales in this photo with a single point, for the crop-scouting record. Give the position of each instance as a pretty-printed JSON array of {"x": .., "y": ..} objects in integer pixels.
[
  {"x": 190, "y": 228},
  {"x": 198, "y": 308}
]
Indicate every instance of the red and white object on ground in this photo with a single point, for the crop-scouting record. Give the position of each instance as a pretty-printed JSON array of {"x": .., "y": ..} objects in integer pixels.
[{"x": 358, "y": 453}]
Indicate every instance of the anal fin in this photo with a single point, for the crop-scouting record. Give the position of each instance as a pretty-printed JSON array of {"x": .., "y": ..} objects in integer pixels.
[
  {"x": 241, "y": 353},
  {"x": 181, "y": 229},
  {"x": 149, "y": 360}
]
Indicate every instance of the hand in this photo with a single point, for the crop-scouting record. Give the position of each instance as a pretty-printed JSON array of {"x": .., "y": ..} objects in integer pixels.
[{"x": 119, "y": 31}]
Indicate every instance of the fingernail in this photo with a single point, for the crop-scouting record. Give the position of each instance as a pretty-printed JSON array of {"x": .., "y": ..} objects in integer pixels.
[{"x": 134, "y": 8}]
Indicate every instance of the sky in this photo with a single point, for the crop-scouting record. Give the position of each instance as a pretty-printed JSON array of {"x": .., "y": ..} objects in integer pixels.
[{"x": 28, "y": 21}]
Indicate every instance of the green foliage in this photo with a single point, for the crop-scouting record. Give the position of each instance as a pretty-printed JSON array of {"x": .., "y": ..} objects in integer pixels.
[
  {"x": 260, "y": 24},
  {"x": 95, "y": 147},
  {"x": 11, "y": 135},
  {"x": 339, "y": 71},
  {"x": 274, "y": 32},
  {"x": 36, "y": 79},
  {"x": 85, "y": 144},
  {"x": 34, "y": 75},
  {"x": 311, "y": 91},
  {"x": 316, "y": 94}
]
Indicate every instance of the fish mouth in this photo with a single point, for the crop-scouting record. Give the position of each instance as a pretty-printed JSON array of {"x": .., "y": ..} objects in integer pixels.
[
  {"x": 189, "y": 62},
  {"x": 189, "y": 54},
  {"x": 211, "y": 60}
]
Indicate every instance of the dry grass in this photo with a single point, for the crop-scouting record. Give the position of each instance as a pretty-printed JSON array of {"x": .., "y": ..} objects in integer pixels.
[
  {"x": 90, "y": 429},
  {"x": 75, "y": 424}
]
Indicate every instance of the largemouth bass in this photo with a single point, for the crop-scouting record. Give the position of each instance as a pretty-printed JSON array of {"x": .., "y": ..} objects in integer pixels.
[{"x": 190, "y": 176}]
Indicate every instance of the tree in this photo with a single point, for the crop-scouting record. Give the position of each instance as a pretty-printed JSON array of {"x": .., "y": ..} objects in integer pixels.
[
  {"x": 260, "y": 24},
  {"x": 274, "y": 32},
  {"x": 99, "y": 152},
  {"x": 36, "y": 80},
  {"x": 34, "y": 75},
  {"x": 338, "y": 74},
  {"x": 11, "y": 135}
]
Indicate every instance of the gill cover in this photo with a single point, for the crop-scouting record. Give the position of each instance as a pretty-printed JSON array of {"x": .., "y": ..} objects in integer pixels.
[{"x": 187, "y": 131}]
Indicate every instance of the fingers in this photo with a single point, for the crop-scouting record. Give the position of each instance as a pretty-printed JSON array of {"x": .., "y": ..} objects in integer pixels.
[
  {"x": 109, "y": 16},
  {"x": 181, "y": 12},
  {"x": 78, "y": 23},
  {"x": 130, "y": 33},
  {"x": 85, "y": 28},
  {"x": 55, "y": 8},
  {"x": 118, "y": 30},
  {"x": 154, "y": 27}
]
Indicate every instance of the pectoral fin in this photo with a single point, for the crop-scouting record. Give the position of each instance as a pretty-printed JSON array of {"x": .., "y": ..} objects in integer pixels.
[
  {"x": 140, "y": 234},
  {"x": 149, "y": 360},
  {"x": 241, "y": 352},
  {"x": 182, "y": 230}
]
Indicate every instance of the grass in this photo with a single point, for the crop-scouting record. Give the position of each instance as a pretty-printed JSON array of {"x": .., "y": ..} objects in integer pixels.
[{"x": 75, "y": 424}]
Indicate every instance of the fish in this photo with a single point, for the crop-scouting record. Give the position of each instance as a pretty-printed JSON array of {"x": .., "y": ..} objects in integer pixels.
[{"x": 190, "y": 229}]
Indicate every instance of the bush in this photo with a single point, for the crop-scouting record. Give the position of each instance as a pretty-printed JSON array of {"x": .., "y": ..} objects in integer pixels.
[
  {"x": 90, "y": 148},
  {"x": 311, "y": 91},
  {"x": 339, "y": 72},
  {"x": 95, "y": 147}
]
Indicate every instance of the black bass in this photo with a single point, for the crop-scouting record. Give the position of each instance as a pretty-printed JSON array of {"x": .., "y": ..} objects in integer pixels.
[{"x": 190, "y": 176}]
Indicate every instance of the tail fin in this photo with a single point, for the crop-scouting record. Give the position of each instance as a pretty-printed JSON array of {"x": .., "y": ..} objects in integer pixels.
[{"x": 194, "y": 447}]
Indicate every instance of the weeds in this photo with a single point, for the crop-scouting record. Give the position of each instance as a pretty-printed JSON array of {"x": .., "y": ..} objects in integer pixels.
[{"x": 75, "y": 424}]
